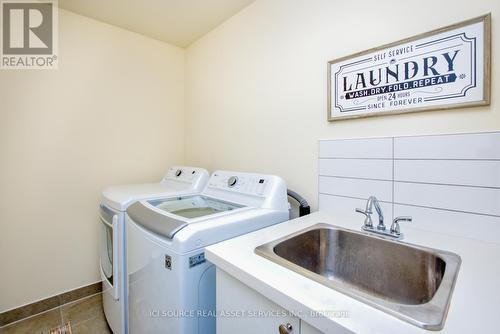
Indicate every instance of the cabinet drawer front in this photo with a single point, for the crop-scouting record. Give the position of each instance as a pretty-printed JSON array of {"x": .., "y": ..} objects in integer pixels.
[{"x": 244, "y": 311}]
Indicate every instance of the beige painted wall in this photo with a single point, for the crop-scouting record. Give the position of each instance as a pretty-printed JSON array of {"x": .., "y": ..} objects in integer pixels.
[
  {"x": 111, "y": 114},
  {"x": 256, "y": 86}
]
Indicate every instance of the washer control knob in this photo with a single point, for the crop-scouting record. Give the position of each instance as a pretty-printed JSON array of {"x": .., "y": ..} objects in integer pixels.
[
  {"x": 178, "y": 172},
  {"x": 231, "y": 182}
]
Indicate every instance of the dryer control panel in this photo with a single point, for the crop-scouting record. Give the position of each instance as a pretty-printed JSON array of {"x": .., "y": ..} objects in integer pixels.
[
  {"x": 180, "y": 177},
  {"x": 182, "y": 173}
]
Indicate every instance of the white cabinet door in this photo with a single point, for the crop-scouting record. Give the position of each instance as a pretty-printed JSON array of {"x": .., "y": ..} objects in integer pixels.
[
  {"x": 305, "y": 328},
  {"x": 242, "y": 310}
]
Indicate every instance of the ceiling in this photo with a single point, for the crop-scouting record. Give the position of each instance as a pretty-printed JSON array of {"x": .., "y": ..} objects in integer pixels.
[{"x": 178, "y": 22}]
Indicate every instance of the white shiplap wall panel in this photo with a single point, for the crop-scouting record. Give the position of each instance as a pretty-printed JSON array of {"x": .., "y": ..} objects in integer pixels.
[
  {"x": 344, "y": 208},
  {"x": 357, "y": 168},
  {"x": 357, "y": 188},
  {"x": 479, "y": 173},
  {"x": 449, "y": 183},
  {"x": 474, "y": 226},
  {"x": 459, "y": 146},
  {"x": 467, "y": 199},
  {"x": 374, "y": 148}
]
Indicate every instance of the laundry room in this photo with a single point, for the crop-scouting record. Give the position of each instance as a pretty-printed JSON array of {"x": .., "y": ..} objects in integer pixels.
[{"x": 249, "y": 166}]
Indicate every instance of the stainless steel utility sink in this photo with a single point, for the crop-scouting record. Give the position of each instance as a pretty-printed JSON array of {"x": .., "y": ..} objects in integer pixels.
[{"x": 410, "y": 282}]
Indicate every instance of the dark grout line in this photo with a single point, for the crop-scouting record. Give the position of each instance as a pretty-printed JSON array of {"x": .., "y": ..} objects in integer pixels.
[
  {"x": 354, "y": 139},
  {"x": 351, "y": 197},
  {"x": 415, "y": 205},
  {"x": 449, "y": 159},
  {"x": 351, "y": 158},
  {"x": 410, "y": 182},
  {"x": 450, "y": 210},
  {"x": 447, "y": 184},
  {"x": 448, "y": 134},
  {"x": 354, "y": 178},
  {"x": 61, "y": 315}
]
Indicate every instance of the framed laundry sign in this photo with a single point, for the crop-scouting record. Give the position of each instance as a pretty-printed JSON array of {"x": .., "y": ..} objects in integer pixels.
[{"x": 442, "y": 69}]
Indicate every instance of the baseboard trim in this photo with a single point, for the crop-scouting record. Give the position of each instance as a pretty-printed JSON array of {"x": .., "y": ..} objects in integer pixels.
[{"x": 43, "y": 305}]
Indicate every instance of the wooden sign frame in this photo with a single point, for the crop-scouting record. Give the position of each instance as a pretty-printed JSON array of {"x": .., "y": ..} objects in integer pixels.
[{"x": 416, "y": 78}]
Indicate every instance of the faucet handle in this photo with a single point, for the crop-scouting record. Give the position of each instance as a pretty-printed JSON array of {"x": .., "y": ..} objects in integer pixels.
[
  {"x": 368, "y": 219},
  {"x": 395, "y": 228},
  {"x": 358, "y": 210}
]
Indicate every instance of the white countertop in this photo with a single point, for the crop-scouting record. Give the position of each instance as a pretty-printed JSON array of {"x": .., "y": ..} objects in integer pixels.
[{"x": 475, "y": 304}]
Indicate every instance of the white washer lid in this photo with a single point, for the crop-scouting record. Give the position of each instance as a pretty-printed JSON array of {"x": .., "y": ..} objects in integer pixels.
[{"x": 193, "y": 206}]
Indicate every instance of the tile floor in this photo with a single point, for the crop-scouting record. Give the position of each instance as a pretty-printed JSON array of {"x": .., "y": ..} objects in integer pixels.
[{"x": 85, "y": 315}]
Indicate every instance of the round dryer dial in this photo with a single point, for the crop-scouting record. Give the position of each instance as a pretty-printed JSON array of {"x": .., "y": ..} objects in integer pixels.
[
  {"x": 178, "y": 172},
  {"x": 231, "y": 182}
]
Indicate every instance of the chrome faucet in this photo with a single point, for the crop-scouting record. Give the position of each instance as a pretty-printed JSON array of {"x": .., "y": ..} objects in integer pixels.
[
  {"x": 373, "y": 201},
  {"x": 393, "y": 232}
]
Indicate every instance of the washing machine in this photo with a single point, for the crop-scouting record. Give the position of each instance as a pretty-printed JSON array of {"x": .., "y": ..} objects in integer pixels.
[
  {"x": 171, "y": 284},
  {"x": 115, "y": 200}
]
